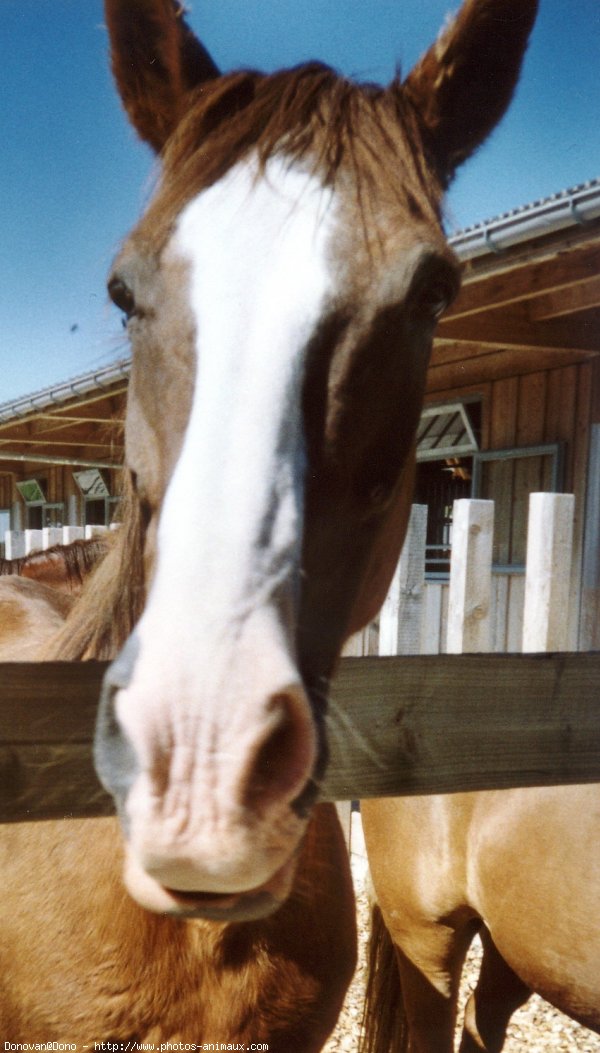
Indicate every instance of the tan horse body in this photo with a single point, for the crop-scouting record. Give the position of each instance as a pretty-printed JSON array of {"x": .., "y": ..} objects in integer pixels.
[
  {"x": 281, "y": 293},
  {"x": 31, "y": 615},
  {"x": 522, "y": 867}
]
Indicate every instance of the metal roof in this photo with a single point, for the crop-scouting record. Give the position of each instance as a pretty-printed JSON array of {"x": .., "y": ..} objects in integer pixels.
[
  {"x": 98, "y": 380},
  {"x": 567, "y": 208}
]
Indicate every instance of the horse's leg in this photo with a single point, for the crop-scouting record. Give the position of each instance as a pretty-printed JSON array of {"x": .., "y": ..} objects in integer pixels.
[
  {"x": 430, "y": 960},
  {"x": 416, "y": 852},
  {"x": 431, "y": 979},
  {"x": 499, "y": 992}
]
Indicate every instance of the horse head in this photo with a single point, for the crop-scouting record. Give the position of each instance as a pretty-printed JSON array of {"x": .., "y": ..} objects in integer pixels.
[{"x": 281, "y": 293}]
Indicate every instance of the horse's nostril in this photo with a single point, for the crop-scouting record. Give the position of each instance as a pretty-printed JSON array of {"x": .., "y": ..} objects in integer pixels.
[
  {"x": 284, "y": 759},
  {"x": 114, "y": 756}
]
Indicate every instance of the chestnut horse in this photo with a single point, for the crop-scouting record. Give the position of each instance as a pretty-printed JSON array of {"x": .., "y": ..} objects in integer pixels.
[
  {"x": 281, "y": 293},
  {"x": 520, "y": 866},
  {"x": 62, "y": 567}
]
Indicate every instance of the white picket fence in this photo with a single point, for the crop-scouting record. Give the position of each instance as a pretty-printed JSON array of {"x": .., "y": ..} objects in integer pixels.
[
  {"x": 19, "y": 543},
  {"x": 467, "y": 613},
  {"x": 479, "y": 609},
  {"x": 476, "y": 610}
]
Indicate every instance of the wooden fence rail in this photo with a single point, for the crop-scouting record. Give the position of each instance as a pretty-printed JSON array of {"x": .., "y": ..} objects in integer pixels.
[
  {"x": 406, "y": 725},
  {"x": 396, "y": 725}
]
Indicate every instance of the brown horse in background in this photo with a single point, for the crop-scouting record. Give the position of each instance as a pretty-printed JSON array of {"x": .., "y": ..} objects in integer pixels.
[
  {"x": 31, "y": 615},
  {"x": 522, "y": 868},
  {"x": 62, "y": 567},
  {"x": 37, "y": 593},
  {"x": 281, "y": 293}
]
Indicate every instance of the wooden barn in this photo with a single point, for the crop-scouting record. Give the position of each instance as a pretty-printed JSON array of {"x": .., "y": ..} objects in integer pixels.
[
  {"x": 513, "y": 394},
  {"x": 512, "y": 407},
  {"x": 60, "y": 452}
]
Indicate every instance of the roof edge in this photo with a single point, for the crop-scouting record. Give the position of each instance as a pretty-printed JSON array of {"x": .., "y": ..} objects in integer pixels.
[
  {"x": 570, "y": 208},
  {"x": 57, "y": 394}
]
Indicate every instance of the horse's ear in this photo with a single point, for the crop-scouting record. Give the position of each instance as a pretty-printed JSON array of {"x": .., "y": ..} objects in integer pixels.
[
  {"x": 156, "y": 60},
  {"x": 464, "y": 83}
]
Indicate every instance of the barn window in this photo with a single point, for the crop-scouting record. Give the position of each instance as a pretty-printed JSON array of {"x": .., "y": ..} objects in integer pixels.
[
  {"x": 99, "y": 506},
  {"x": 39, "y": 512},
  {"x": 448, "y": 431},
  {"x": 448, "y": 436}
]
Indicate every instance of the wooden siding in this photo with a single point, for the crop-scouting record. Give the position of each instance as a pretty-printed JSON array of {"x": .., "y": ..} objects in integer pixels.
[{"x": 553, "y": 405}]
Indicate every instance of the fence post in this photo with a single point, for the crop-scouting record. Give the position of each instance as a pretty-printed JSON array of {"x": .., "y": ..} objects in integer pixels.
[
  {"x": 14, "y": 544},
  {"x": 51, "y": 536},
  {"x": 93, "y": 530},
  {"x": 33, "y": 541},
  {"x": 469, "y": 598},
  {"x": 400, "y": 621},
  {"x": 548, "y": 572},
  {"x": 72, "y": 533},
  {"x": 589, "y": 639}
]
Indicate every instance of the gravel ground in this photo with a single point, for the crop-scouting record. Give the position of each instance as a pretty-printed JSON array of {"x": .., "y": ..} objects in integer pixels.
[{"x": 535, "y": 1028}]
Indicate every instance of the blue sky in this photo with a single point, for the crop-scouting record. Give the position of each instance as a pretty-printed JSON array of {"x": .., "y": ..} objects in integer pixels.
[{"x": 73, "y": 178}]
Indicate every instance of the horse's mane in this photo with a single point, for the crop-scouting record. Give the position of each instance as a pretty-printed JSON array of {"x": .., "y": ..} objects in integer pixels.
[
  {"x": 77, "y": 559},
  {"x": 310, "y": 114},
  {"x": 113, "y": 596}
]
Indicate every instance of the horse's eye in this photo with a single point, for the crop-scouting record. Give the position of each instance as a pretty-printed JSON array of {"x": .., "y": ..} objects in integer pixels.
[
  {"x": 435, "y": 297},
  {"x": 121, "y": 295},
  {"x": 434, "y": 288}
]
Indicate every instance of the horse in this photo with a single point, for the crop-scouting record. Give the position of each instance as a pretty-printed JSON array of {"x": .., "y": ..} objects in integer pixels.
[
  {"x": 31, "y": 615},
  {"x": 281, "y": 293},
  {"x": 37, "y": 593},
  {"x": 522, "y": 868},
  {"x": 62, "y": 567}
]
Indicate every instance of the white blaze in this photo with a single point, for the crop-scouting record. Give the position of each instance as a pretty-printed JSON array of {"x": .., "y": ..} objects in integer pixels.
[
  {"x": 232, "y": 512},
  {"x": 213, "y": 639}
]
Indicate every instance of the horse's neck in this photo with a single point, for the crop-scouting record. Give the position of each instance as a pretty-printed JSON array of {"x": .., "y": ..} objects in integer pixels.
[{"x": 108, "y": 606}]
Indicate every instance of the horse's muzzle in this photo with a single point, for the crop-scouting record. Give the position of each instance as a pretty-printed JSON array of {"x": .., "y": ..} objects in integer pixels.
[{"x": 249, "y": 905}]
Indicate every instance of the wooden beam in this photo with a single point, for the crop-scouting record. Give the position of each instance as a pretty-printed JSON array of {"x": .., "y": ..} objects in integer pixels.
[
  {"x": 447, "y": 351},
  {"x": 411, "y": 725},
  {"x": 69, "y": 404},
  {"x": 565, "y": 301},
  {"x": 526, "y": 280},
  {"x": 48, "y": 424},
  {"x": 513, "y": 330},
  {"x": 443, "y": 723},
  {"x": 76, "y": 458},
  {"x": 457, "y": 366},
  {"x": 45, "y": 445},
  {"x": 47, "y": 714}
]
